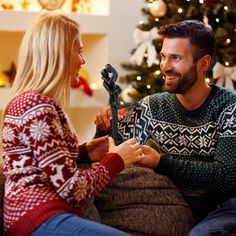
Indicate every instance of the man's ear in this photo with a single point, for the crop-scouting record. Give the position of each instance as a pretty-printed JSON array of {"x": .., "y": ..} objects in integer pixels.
[{"x": 204, "y": 63}]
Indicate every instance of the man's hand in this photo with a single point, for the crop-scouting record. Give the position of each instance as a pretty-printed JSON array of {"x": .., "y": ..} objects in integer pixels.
[
  {"x": 103, "y": 119},
  {"x": 97, "y": 148},
  {"x": 150, "y": 157}
]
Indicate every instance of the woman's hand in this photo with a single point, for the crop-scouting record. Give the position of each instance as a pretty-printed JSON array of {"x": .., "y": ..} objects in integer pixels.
[
  {"x": 97, "y": 148},
  {"x": 130, "y": 151},
  {"x": 150, "y": 157}
]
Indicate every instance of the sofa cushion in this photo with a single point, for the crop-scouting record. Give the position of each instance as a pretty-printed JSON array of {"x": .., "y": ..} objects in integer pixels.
[{"x": 141, "y": 202}]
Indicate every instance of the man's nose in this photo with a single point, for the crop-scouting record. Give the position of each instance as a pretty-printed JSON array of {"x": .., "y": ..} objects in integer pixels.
[{"x": 166, "y": 65}]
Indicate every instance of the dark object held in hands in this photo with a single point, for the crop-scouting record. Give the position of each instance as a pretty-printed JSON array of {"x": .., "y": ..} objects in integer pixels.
[{"x": 109, "y": 76}]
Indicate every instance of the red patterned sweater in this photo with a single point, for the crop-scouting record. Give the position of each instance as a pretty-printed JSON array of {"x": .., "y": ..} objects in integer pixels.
[{"x": 40, "y": 153}]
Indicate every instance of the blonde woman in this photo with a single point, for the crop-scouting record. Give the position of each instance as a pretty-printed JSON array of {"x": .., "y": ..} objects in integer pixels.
[{"x": 44, "y": 186}]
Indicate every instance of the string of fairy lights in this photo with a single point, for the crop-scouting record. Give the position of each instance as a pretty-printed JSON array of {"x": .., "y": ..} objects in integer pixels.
[{"x": 179, "y": 10}]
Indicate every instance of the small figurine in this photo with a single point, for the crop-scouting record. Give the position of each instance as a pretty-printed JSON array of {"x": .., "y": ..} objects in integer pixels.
[
  {"x": 109, "y": 76},
  {"x": 7, "y": 6}
]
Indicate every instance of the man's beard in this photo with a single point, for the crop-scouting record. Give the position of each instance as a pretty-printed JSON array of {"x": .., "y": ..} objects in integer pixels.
[{"x": 184, "y": 81}]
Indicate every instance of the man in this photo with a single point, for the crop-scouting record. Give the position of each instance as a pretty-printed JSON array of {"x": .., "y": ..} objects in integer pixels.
[{"x": 193, "y": 124}]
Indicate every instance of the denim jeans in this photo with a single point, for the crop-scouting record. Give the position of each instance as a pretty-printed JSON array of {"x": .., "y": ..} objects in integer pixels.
[
  {"x": 220, "y": 222},
  {"x": 66, "y": 224}
]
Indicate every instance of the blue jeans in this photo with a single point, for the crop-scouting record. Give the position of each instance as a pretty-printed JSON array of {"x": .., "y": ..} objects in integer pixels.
[
  {"x": 66, "y": 224},
  {"x": 221, "y": 221}
]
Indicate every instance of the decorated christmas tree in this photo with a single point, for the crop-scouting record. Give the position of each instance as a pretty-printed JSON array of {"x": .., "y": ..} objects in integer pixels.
[{"x": 144, "y": 76}]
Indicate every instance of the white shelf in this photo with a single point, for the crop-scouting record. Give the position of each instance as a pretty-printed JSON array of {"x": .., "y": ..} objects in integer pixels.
[
  {"x": 78, "y": 98},
  {"x": 95, "y": 37},
  {"x": 19, "y": 21}
]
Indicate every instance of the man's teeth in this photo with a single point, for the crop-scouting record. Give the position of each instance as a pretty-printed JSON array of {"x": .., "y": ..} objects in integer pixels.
[{"x": 170, "y": 77}]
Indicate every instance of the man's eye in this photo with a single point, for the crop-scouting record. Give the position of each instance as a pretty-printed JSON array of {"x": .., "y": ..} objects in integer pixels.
[
  {"x": 162, "y": 57},
  {"x": 177, "y": 58}
]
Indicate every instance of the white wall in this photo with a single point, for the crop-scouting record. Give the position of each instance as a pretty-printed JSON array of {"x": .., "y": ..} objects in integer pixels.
[{"x": 125, "y": 16}]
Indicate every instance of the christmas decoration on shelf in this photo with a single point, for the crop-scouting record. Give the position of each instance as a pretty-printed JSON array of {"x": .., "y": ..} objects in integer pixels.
[
  {"x": 81, "y": 6},
  {"x": 7, "y": 77},
  {"x": 74, "y": 5},
  {"x": 25, "y": 4},
  {"x": 11, "y": 73},
  {"x": 20, "y": 5},
  {"x": 67, "y": 6},
  {"x": 7, "y": 6},
  {"x": 83, "y": 82},
  {"x": 143, "y": 69},
  {"x": 4, "y": 80},
  {"x": 51, "y": 4}
]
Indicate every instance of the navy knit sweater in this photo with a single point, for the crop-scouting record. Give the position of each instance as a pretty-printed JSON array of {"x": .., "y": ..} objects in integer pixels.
[{"x": 198, "y": 148}]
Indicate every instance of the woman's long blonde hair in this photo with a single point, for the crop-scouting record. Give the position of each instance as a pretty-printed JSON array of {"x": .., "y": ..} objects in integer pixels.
[{"x": 44, "y": 62}]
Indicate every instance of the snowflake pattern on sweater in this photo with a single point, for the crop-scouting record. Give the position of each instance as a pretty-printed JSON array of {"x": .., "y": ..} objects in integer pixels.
[
  {"x": 40, "y": 150},
  {"x": 198, "y": 147}
]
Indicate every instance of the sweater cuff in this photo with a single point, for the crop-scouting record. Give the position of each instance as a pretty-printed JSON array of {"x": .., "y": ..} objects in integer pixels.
[
  {"x": 100, "y": 133},
  {"x": 165, "y": 165},
  {"x": 83, "y": 156},
  {"x": 113, "y": 163}
]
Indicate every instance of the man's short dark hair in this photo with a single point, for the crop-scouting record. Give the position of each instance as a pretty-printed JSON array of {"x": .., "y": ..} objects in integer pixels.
[{"x": 199, "y": 35}]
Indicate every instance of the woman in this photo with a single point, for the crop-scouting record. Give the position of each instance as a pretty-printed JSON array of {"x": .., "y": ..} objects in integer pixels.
[{"x": 44, "y": 186}]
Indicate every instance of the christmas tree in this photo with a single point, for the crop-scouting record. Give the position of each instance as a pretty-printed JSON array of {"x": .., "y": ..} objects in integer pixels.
[{"x": 144, "y": 75}]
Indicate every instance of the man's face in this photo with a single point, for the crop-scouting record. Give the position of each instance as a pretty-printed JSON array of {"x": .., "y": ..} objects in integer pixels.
[{"x": 179, "y": 71}]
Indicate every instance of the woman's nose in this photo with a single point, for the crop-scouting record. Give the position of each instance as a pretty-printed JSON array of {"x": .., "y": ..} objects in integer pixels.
[{"x": 83, "y": 61}]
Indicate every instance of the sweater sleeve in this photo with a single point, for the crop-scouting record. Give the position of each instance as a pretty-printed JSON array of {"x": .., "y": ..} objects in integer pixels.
[
  {"x": 55, "y": 148},
  {"x": 83, "y": 156},
  {"x": 217, "y": 175}
]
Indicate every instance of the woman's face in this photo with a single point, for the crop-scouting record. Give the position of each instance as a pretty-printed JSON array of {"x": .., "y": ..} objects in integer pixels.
[{"x": 76, "y": 59}]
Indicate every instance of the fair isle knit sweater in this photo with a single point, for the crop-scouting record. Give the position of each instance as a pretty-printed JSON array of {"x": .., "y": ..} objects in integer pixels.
[
  {"x": 198, "y": 148},
  {"x": 41, "y": 153}
]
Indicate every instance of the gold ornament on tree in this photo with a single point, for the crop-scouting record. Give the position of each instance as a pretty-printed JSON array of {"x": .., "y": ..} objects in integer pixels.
[{"x": 158, "y": 8}]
